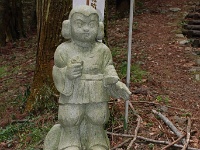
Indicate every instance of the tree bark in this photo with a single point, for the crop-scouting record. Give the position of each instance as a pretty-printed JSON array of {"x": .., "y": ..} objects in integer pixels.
[
  {"x": 2, "y": 24},
  {"x": 50, "y": 15},
  {"x": 11, "y": 21}
]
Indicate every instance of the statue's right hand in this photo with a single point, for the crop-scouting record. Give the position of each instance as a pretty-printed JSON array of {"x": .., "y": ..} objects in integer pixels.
[{"x": 74, "y": 70}]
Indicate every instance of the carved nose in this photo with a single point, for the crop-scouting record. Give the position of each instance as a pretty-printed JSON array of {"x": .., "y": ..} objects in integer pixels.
[{"x": 86, "y": 28}]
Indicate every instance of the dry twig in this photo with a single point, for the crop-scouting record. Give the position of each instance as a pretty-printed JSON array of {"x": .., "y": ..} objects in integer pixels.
[
  {"x": 188, "y": 134},
  {"x": 173, "y": 142},
  {"x": 154, "y": 103},
  {"x": 162, "y": 129},
  {"x": 170, "y": 124},
  {"x": 139, "y": 120},
  {"x": 150, "y": 140},
  {"x": 19, "y": 121},
  {"x": 121, "y": 144}
]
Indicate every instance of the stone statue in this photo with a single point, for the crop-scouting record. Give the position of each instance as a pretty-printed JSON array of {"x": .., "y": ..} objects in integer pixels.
[{"x": 86, "y": 78}]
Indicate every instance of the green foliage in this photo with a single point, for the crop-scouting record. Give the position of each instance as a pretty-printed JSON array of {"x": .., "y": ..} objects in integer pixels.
[
  {"x": 135, "y": 25},
  {"x": 137, "y": 74},
  {"x": 8, "y": 133},
  {"x": 161, "y": 98},
  {"x": 139, "y": 4},
  {"x": 123, "y": 70},
  {"x": 116, "y": 51},
  {"x": 45, "y": 100},
  {"x": 182, "y": 23},
  {"x": 27, "y": 133},
  {"x": 140, "y": 7},
  {"x": 151, "y": 146},
  {"x": 149, "y": 124},
  {"x": 187, "y": 114},
  {"x": 3, "y": 71},
  {"x": 21, "y": 99}
]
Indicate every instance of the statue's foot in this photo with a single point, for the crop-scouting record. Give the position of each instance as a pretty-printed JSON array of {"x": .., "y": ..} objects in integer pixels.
[
  {"x": 98, "y": 147},
  {"x": 72, "y": 148}
]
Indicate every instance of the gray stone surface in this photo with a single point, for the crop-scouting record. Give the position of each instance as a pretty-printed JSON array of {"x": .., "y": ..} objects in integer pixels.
[
  {"x": 86, "y": 78},
  {"x": 180, "y": 35},
  {"x": 183, "y": 42},
  {"x": 52, "y": 139},
  {"x": 174, "y": 9}
]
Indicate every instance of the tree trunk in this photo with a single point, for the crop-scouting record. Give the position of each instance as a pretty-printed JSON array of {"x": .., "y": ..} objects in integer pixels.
[
  {"x": 50, "y": 15},
  {"x": 2, "y": 25},
  {"x": 11, "y": 21}
]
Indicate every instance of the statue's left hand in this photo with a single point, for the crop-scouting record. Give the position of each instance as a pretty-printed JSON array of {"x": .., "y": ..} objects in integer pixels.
[{"x": 122, "y": 90}]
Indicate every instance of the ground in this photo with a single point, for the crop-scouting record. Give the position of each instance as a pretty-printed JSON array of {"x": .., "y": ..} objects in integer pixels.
[{"x": 160, "y": 77}]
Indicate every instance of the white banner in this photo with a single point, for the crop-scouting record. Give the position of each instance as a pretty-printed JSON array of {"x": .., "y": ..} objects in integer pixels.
[{"x": 99, "y": 5}]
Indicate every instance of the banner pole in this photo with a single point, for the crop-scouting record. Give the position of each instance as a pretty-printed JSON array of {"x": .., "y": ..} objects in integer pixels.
[
  {"x": 87, "y": 2},
  {"x": 129, "y": 59}
]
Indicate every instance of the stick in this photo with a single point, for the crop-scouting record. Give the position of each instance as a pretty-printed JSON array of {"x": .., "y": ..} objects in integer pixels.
[
  {"x": 154, "y": 103},
  {"x": 170, "y": 124},
  {"x": 136, "y": 132},
  {"x": 139, "y": 120},
  {"x": 19, "y": 121},
  {"x": 162, "y": 129},
  {"x": 150, "y": 140},
  {"x": 121, "y": 144},
  {"x": 173, "y": 142},
  {"x": 188, "y": 134}
]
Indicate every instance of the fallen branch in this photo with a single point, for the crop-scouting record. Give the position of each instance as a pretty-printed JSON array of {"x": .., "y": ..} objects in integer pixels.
[
  {"x": 154, "y": 103},
  {"x": 170, "y": 124},
  {"x": 171, "y": 144},
  {"x": 188, "y": 134},
  {"x": 139, "y": 120},
  {"x": 150, "y": 140},
  {"x": 19, "y": 121}
]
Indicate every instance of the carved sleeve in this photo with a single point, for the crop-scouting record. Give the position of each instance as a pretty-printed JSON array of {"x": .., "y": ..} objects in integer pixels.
[
  {"x": 110, "y": 74},
  {"x": 62, "y": 83}
]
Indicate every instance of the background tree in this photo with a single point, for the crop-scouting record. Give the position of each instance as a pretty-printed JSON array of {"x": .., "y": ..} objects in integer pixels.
[
  {"x": 11, "y": 21},
  {"x": 50, "y": 15}
]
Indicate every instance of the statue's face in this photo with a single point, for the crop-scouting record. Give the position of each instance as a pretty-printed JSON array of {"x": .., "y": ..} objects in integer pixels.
[{"x": 84, "y": 28}]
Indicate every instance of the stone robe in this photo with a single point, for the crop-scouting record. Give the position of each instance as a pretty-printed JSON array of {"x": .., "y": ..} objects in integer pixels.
[{"x": 92, "y": 86}]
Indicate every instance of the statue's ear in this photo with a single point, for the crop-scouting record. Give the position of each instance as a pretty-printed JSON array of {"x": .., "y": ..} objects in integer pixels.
[
  {"x": 66, "y": 29},
  {"x": 100, "y": 34}
]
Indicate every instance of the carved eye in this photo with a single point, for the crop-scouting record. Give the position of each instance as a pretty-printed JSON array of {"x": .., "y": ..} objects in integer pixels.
[
  {"x": 92, "y": 24},
  {"x": 79, "y": 24}
]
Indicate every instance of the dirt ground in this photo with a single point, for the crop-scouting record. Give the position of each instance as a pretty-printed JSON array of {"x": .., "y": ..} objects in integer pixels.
[
  {"x": 168, "y": 87},
  {"x": 156, "y": 47}
]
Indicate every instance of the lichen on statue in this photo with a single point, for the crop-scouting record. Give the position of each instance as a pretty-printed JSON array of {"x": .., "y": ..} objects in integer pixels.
[{"x": 84, "y": 75}]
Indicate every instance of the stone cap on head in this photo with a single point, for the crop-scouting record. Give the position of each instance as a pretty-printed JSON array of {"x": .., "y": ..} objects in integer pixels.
[{"x": 83, "y": 9}]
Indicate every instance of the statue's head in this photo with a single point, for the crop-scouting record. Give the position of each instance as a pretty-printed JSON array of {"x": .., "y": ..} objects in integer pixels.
[{"x": 83, "y": 25}]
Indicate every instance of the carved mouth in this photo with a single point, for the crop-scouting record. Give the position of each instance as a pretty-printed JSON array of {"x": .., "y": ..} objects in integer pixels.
[{"x": 86, "y": 34}]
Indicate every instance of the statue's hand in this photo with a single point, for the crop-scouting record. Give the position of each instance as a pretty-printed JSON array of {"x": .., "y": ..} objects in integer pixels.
[
  {"x": 74, "y": 70},
  {"x": 122, "y": 90}
]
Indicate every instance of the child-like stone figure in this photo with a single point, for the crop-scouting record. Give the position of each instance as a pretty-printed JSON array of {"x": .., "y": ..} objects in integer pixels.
[{"x": 86, "y": 78}]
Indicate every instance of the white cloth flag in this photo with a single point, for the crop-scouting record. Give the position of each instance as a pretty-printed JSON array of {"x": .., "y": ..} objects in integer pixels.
[{"x": 99, "y": 5}]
